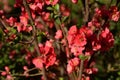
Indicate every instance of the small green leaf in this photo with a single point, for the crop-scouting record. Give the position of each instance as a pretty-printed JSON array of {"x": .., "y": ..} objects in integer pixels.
[
  {"x": 39, "y": 38},
  {"x": 118, "y": 73},
  {"x": 83, "y": 57},
  {"x": 57, "y": 7},
  {"x": 64, "y": 18},
  {"x": 51, "y": 15},
  {"x": 31, "y": 49},
  {"x": 56, "y": 16},
  {"x": 49, "y": 8},
  {"x": 58, "y": 21},
  {"x": 61, "y": 78}
]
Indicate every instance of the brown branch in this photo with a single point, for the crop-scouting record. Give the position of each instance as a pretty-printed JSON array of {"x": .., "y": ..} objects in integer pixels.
[
  {"x": 86, "y": 14},
  {"x": 3, "y": 23},
  {"x": 34, "y": 34},
  {"x": 3, "y": 26},
  {"x": 81, "y": 70},
  {"x": 85, "y": 20},
  {"x": 31, "y": 75},
  {"x": 65, "y": 37}
]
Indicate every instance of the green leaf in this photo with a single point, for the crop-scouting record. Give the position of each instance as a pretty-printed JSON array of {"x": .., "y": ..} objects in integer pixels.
[
  {"x": 49, "y": 8},
  {"x": 51, "y": 15},
  {"x": 83, "y": 57},
  {"x": 11, "y": 2},
  {"x": 56, "y": 16},
  {"x": 64, "y": 18},
  {"x": 39, "y": 38},
  {"x": 118, "y": 73},
  {"x": 58, "y": 21},
  {"x": 61, "y": 78},
  {"x": 57, "y": 7},
  {"x": 31, "y": 49}
]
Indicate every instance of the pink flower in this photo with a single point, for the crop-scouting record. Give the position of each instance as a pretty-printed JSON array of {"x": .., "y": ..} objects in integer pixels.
[
  {"x": 98, "y": 12},
  {"x": 11, "y": 21},
  {"x": 87, "y": 31},
  {"x": 77, "y": 40},
  {"x": 4, "y": 73},
  {"x": 106, "y": 40},
  {"x": 58, "y": 34},
  {"x": 38, "y": 62},
  {"x": 1, "y": 12},
  {"x": 77, "y": 50},
  {"x": 72, "y": 63},
  {"x": 20, "y": 27},
  {"x": 7, "y": 69},
  {"x": 64, "y": 10},
  {"x": 73, "y": 30},
  {"x": 25, "y": 68},
  {"x": 69, "y": 68},
  {"x": 113, "y": 9},
  {"x": 50, "y": 60},
  {"x": 52, "y": 2},
  {"x": 29, "y": 29},
  {"x": 45, "y": 16},
  {"x": 48, "y": 54},
  {"x": 80, "y": 39},
  {"x": 18, "y": 3},
  {"x": 95, "y": 43},
  {"x": 24, "y": 20},
  {"x": 74, "y": 1},
  {"x": 115, "y": 16}
]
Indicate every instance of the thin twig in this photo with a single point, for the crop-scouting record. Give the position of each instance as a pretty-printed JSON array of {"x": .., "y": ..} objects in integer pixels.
[
  {"x": 31, "y": 75},
  {"x": 29, "y": 70},
  {"x": 3, "y": 23},
  {"x": 81, "y": 70},
  {"x": 86, "y": 15},
  {"x": 33, "y": 26},
  {"x": 3, "y": 26}
]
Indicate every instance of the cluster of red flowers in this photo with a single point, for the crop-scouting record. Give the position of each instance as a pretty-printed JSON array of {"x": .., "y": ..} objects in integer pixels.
[
  {"x": 92, "y": 37},
  {"x": 84, "y": 41},
  {"x": 48, "y": 56}
]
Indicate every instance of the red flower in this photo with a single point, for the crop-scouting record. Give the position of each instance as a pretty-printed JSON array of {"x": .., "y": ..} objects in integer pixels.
[
  {"x": 106, "y": 39},
  {"x": 77, "y": 50},
  {"x": 18, "y": 3},
  {"x": 87, "y": 31},
  {"x": 70, "y": 68},
  {"x": 24, "y": 20},
  {"x": 72, "y": 64},
  {"x": 48, "y": 54},
  {"x": 38, "y": 62},
  {"x": 52, "y": 2},
  {"x": 74, "y": 1},
  {"x": 20, "y": 27},
  {"x": 95, "y": 43},
  {"x": 72, "y": 30},
  {"x": 58, "y": 34},
  {"x": 115, "y": 16},
  {"x": 64, "y": 10},
  {"x": 11, "y": 21},
  {"x": 77, "y": 40}
]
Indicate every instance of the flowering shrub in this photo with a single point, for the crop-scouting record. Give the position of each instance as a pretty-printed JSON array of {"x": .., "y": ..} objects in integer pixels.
[{"x": 41, "y": 40}]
